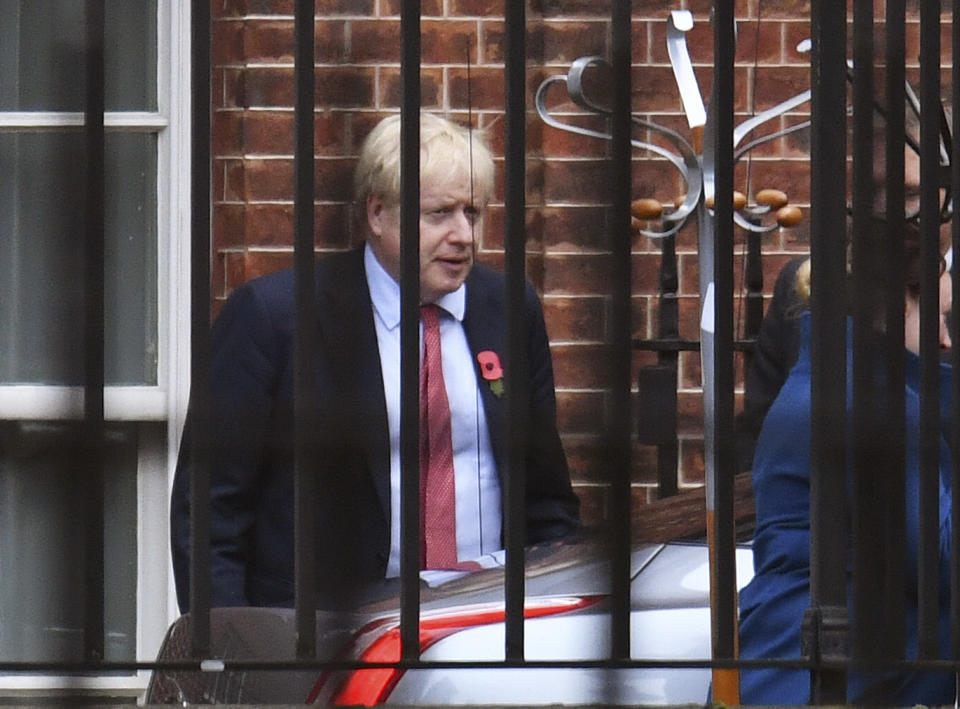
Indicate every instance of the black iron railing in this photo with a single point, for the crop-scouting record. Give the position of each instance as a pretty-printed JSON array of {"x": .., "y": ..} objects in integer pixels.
[{"x": 875, "y": 525}]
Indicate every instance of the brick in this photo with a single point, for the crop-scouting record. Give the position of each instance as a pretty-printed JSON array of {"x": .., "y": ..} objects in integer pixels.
[
  {"x": 273, "y": 40},
  {"x": 344, "y": 7},
  {"x": 568, "y": 228},
  {"x": 431, "y": 88},
  {"x": 688, "y": 316},
  {"x": 792, "y": 177},
  {"x": 563, "y": 42},
  {"x": 561, "y": 142},
  {"x": 227, "y": 132},
  {"x": 578, "y": 182},
  {"x": 227, "y": 42},
  {"x": 590, "y": 463},
  {"x": 760, "y": 42},
  {"x": 795, "y": 33},
  {"x": 269, "y": 225},
  {"x": 234, "y": 178},
  {"x": 217, "y": 278},
  {"x": 477, "y": 8},
  {"x": 485, "y": 88},
  {"x": 581, "y": 318},
  {"x": 269, "y": 41},
  {"x": 572, "y": 8},
  {"x": 773, "y": 9},
  {"x": 229, "y": 225},
  {"x": 268, "y": 87},
  {"x": 268, "y": 180},
  {"x": 344, "y": 87},
  {"x": 330, "y": 43},
  {"x": 699, "y": 41},
  {"x": 657, "y": 179},
  {"x": 580, "y": 412},
  {"x": 234, "y": 275},
  {"x": 773, "y": 86},
  {"x": 269, "y": 7},
  {"x": 272, "y": 133},
  {"x": 331, "y": 133},
  {"x": 261, "y": 263},
  {"x": 654, "y": 9},
  {"x": 445, "y": 41},
  {"x": 228, "y": 8},
  {"x": 581, "y": 365},
  {"x": 691, "y": 461},
  {"x": 428, "y": 8},
  {"x": 374, "y": 40},
  {"x": 268, "y": 132},
  {"x": 334, "y": 179},
  {"x": 229, "y": 88},
  {"x": 333, "y": 226}
]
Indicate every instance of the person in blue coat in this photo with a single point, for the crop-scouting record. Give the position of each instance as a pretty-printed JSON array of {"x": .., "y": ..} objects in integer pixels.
[{"x": 773, "y": 604}]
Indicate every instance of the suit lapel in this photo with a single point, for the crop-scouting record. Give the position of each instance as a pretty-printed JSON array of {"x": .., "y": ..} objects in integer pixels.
[
  {"x": 484, "y": 325},
  {"x": 345, "y": 318}
]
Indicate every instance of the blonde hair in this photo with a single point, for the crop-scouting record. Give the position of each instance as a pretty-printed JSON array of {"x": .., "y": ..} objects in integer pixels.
[
  {"x": 447, "y": 151},
  {"x": 802, "y": 284}
]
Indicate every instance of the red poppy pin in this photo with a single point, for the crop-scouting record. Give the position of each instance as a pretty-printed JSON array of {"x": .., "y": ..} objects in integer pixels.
[{"x": 491, "y": 370}]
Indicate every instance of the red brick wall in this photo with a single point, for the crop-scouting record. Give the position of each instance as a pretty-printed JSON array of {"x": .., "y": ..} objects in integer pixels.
[{"x": 357, "y": 50}]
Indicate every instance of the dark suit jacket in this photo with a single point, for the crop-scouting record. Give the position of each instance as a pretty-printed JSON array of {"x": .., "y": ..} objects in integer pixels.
[{"x": 252, "y": 481}]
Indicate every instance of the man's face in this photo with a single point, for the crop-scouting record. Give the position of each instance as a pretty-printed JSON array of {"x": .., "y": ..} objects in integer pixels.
[{"x": 447, "y": 217}]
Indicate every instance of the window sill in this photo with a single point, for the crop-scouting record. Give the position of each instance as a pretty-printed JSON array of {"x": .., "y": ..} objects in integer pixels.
[{"x": 61, "y": 403}]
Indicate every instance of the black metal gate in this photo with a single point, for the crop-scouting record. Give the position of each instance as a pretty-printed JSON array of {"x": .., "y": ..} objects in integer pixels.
[{"x": 875, "y": 527}]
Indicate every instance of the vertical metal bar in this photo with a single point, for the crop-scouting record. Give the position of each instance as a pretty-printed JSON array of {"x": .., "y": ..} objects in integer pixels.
[
  {"x": 517, "y": 371},
  {"x": 754, "y": 282},
  {"x": 200, "y": 193},
  {"x": 620, "y": 318},
  {"x": 955, "y": 332},
  {"x": 410, "y": 331},
  {"x": 928, "y": 553},
  {"x": 306, "y": 421},
  {"x": 828, "y": 345},
  {"x": 93, "y": 342},
  {"x": 865, "y": 518},
  {"x": 667, "y": 452},
  {"x": 893, "y": 519},
  {"x": 724, "y": 634}
]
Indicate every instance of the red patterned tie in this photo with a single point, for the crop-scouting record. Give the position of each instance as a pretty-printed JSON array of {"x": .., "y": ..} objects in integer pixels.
[{"x": 436, "y": 453}]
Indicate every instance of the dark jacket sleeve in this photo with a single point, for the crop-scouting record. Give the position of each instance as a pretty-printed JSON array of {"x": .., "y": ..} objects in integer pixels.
[
  {"x": 553, "y": 509},
  {"x": 775, "y": 354},
  {"x": 245, "y": 358}
]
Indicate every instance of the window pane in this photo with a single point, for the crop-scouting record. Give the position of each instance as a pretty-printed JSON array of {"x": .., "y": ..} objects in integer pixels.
[
  {"x": 42, "y": 55},
  {"x": 42, "y": 539},
  {"x": 41, "y": 272}
]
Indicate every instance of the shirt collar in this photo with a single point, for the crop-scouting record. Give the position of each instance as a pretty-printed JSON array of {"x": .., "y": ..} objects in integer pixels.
[{"x": 385, "y": 293}]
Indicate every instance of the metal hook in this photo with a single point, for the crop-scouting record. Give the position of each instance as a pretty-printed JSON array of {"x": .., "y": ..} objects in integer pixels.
[{"x": 686, "y": 164}]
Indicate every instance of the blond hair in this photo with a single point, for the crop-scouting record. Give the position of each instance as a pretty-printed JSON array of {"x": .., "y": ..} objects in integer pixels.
[{"x": 448, "y": 151}]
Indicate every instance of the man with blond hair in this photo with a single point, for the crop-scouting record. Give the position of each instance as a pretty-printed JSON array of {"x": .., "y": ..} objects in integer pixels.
[{"x": 358, "y": 396}]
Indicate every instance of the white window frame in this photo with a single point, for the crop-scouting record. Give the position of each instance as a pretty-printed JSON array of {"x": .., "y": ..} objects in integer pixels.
[{"x": 148, "y": 405}]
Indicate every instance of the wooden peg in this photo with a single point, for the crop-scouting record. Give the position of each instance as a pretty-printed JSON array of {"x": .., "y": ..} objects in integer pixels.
[
  {"x": 739, "y": 201},
  {"x": 772, "y": 198},
  {"x": 646, "y": 208},
  {"x": 789, "y": 216}
]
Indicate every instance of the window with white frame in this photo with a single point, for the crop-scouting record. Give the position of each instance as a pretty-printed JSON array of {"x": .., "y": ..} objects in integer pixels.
[{"x": 42, "y": 292}]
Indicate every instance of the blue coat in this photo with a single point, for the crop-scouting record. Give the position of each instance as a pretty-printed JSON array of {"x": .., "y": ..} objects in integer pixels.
[
  {"x": 772, "y": 605},
  {"x": 252, "y": 481}
]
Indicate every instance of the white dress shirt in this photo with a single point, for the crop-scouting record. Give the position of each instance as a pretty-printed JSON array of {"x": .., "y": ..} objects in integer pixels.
[{"x": 479, "y": 517}]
